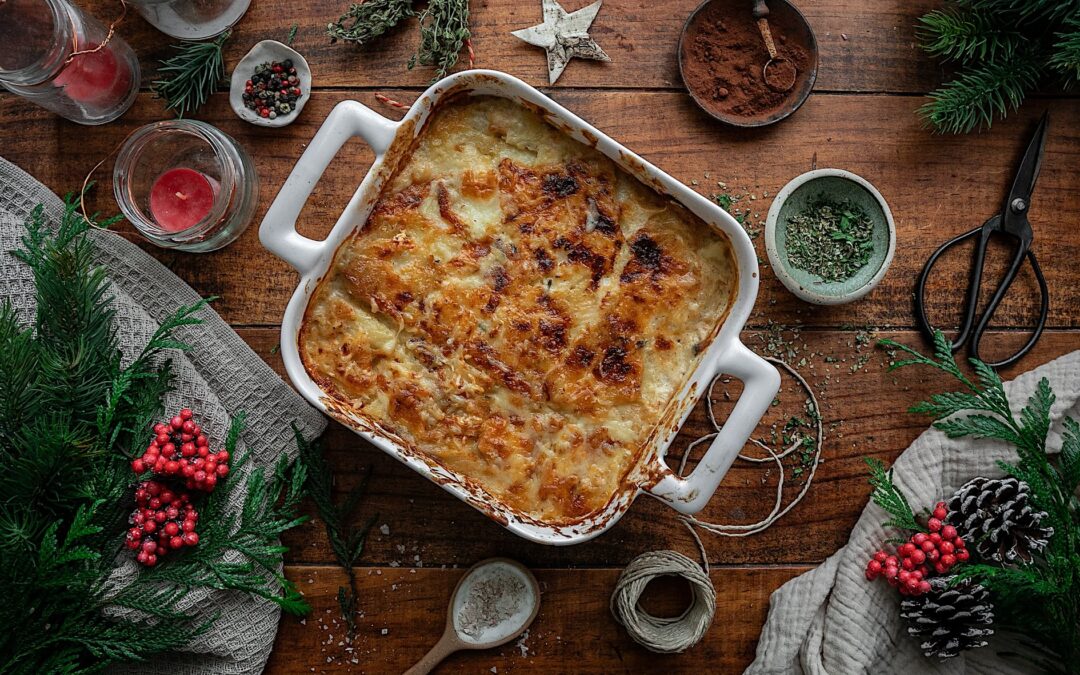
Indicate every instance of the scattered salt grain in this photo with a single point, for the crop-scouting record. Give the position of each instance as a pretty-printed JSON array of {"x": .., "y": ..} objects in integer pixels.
[{"x": 385, "y": 529}]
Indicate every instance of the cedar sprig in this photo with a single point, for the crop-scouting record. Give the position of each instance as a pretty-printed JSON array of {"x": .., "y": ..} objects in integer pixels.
[
  {"x": 72, "y": 412},
  {"x": 444, "y": 28},
  {"x": 190, "y": 76},
  {"x": 346, "y": 540},
  {"x": 891, "y": 499},
  {"x": 1040, "y": 601}
]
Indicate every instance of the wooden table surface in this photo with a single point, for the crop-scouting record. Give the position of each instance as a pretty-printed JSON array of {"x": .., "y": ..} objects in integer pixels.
[{"x": 860, "y": 117}]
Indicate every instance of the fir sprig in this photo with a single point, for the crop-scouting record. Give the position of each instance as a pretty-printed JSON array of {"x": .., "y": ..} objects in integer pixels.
[
  {"x": 346, "y": 540},
  {"x": 190, "y": 76},
  {"x": 71, "y": 415},
  {"x": 1003, "y": 49},
  {"x": 1040, "y": 601}
]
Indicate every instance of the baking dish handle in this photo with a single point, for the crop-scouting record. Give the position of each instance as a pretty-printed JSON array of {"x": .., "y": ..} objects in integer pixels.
[
  {"x": 278, "y": 230},
  {"x": 761, "y": 381}
]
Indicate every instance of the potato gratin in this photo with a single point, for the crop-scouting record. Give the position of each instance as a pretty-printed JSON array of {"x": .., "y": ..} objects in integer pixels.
[{"x": 518, "y": 309}]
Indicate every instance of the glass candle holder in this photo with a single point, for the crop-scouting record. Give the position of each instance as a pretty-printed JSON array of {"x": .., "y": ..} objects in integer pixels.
[
  {"x": 53, "y": 54},
  {"x": 191, "y": 19},
  {"x": 185, "y": 185}
]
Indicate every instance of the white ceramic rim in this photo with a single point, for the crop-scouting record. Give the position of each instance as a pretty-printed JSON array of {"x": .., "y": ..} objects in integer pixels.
[
  {"x": 724, "y": 354},
  {"x": 780, "y": 267}
]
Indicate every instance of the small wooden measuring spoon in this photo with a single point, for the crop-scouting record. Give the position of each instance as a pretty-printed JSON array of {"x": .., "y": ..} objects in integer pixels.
[
  {"x": 456, "y": 637},
  {"x": 778, "y": 72}
]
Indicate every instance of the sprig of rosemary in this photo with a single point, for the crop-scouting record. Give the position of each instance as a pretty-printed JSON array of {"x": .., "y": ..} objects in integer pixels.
[
  {"x": 346, "y": 540},
  {"x": 189, "y": 77}
]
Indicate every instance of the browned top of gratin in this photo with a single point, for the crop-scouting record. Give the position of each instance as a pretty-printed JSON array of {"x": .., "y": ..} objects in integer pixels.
[{"x": 518, "y": 309}]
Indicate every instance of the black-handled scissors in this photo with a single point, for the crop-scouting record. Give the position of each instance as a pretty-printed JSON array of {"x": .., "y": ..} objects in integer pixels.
[{"x": 1012, "y": 222}]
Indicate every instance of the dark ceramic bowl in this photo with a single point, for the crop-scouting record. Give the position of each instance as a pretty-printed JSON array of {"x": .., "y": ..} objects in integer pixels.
[{"x": 781, "y": 14}]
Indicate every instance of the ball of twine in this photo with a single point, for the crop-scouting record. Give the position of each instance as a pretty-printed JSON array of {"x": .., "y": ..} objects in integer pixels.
[{"x": 664, "y": 635}]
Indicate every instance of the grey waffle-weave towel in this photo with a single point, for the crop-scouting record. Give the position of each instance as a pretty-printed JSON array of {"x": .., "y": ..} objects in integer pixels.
[
  {"x": 218, "y": 378},
  {"x": 831, "y": 621}
]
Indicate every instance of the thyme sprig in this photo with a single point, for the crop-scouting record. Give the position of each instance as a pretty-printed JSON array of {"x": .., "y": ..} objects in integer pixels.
[
  {"x": 444, "y": 28},
  {"x": 192, "y": 75}
]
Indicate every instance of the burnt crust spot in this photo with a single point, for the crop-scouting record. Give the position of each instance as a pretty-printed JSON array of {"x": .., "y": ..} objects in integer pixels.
[
  {"x": 559, "y": 185},
  {"x": 581, "y": 254},
  {"x": 580, "y": 357},
  {"x": 543, "y": 259},
  {"x": 613, "y": 367},
  {"x": 499, "y": 281},
  {"x": 663, "y": 344}
]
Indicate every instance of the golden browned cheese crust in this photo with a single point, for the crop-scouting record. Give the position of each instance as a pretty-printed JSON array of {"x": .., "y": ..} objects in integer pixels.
[{"x": 518, "y": 309}]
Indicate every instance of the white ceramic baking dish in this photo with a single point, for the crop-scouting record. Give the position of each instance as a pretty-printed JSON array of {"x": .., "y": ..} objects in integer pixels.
[{"x": 724, "y": 354}]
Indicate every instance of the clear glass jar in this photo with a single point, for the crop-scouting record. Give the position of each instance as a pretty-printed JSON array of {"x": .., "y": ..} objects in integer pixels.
[
  {"x": 160, "y": 162},
  {"x": 191, "y": 19},
  {"x": 49, "y": 55}
]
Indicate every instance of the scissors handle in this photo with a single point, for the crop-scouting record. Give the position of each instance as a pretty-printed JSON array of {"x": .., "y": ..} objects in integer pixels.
[{"x": 970, "y": 330}]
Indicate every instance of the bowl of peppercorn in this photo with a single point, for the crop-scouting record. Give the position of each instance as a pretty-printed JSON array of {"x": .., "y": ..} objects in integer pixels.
[
  {"x": 830, "y": 236},
  {"x": 270, "y": 85}
]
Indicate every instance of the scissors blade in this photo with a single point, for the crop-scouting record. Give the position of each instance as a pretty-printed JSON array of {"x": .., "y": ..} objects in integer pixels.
[{"x": 1014, "y": 215}]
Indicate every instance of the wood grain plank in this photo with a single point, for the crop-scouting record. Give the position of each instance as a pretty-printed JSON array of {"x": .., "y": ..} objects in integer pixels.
[
  {"x": 863, "y": 46},
  {"x": 936, "y": 187},
  {"x": 863, "y": 412},
  {"x": 403, "y": 613}
]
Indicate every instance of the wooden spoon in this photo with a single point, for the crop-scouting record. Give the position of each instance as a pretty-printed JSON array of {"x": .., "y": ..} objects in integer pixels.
[{"x": 454, "y": 638}]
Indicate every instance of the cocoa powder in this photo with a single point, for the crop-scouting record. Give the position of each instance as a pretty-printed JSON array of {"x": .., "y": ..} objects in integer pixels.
[{"x": 723, "y": 56}]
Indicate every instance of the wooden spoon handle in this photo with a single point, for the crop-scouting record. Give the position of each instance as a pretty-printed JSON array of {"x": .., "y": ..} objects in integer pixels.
[{"x": 443, "y": 648}]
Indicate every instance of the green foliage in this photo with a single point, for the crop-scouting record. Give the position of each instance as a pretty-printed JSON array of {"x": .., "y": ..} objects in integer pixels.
[
  {"x": 444, "y": 28},
  {"x": 891, "y": 499},
  {"x": 346, "y": 540},
  {"x": 1002, "y": 50},
  {"x": 189, "y": 77},
  {"x": 72, "y": 414},
  {"x": 365, "y": 21},
  {"x": 1040, "y": 601}
]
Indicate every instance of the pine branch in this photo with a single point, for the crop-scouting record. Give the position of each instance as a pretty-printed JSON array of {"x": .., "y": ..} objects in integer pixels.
[
  {"x": 966, "y": 35},
  {"x": 1065, "y": 59},
  {"x": 891, "y": 499},
  {"x": 1026, "y": 11},
  {"x": 981, "y": 92},
  {"x": 192, "y": 75},
  {"x": 365, "y": 21}
]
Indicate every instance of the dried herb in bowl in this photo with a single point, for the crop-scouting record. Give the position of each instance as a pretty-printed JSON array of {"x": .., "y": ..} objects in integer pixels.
[{"x": 829, "y": 239}]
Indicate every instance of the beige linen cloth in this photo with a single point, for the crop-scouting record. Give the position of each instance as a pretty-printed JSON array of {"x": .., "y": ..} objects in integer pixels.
[{"x": 832, "y": 621}]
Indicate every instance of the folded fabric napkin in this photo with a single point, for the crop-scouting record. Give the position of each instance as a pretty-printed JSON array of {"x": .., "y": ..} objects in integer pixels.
[
  {"x": 220, "y": 377},
  {"x": 832, "y": 620}
]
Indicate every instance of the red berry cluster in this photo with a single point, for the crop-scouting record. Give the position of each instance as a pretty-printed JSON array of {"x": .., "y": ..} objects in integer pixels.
[
  {"x": 181, "y": 449},
  {"x": 162, "y": 521},
  {"x": 920, "y": 557}
]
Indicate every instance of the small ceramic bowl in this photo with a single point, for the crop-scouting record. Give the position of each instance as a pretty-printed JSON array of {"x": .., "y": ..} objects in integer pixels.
[
  {"x": 838, "y": 185},
  {"x": 264, "y": 52}
]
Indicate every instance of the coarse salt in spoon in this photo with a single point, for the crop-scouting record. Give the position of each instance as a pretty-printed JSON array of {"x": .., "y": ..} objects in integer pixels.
[{"x": 493, "y": 603}]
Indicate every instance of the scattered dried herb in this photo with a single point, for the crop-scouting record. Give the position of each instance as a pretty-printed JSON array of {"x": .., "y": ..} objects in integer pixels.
[{"x": 832, "y": 240}]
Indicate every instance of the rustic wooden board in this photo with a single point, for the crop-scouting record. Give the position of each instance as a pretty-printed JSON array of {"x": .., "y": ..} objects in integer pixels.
[
  {"x": 863, "y": 412},
  {"x": 937, "y": 187},
  {"x": 863, "y": 46},
  {"x": 574, "y": 632}
]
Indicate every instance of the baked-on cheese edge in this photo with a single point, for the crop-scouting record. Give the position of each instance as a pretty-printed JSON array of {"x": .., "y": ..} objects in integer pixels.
[{"x": 518, "y": 309}]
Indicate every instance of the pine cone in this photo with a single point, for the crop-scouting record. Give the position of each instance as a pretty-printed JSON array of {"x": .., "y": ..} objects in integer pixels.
[
  {"x": 949, "y": 619},
  {"x": 997, "y": 516}
]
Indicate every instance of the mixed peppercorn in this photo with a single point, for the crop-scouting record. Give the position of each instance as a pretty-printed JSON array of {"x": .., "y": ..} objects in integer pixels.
[{"x": 273, "y": 89}]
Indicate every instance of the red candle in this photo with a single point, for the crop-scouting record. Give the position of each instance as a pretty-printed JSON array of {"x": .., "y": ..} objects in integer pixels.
[
  {"x": 95, "y": 77},
  {"x": 181, "y": 197}
]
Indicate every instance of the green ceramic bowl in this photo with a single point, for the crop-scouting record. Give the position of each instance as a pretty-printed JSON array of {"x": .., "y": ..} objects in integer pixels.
[{"x": 838, "y": 185}]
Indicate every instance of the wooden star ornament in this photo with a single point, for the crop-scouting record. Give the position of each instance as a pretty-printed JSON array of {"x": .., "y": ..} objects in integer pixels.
[{"x": 564, "y": 36}]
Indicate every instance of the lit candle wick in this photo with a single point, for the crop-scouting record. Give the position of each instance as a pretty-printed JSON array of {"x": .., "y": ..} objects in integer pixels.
[{"x": 181, "y": 195}]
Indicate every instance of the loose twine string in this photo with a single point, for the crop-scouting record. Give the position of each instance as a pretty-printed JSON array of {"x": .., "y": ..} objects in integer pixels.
[{"x": 677, "y": 634}]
